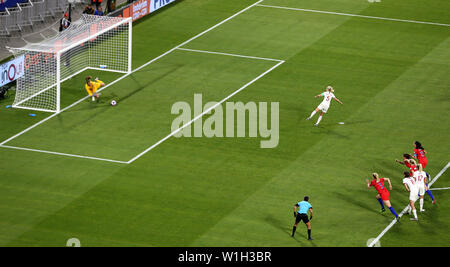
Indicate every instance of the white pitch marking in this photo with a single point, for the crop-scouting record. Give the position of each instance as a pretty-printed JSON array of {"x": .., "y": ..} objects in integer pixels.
[
  {"x": 204, "y": 112},
  {"x": 228, "y": 54},
  {"x": 444, "y": 188},
  {"x": 438, "y": 175},
  {"x": 405, "y": 209},
  {"x": 63, "y": 154},
  {"x": 356, "y": 15},
  {"x": 126, "y": 75}
]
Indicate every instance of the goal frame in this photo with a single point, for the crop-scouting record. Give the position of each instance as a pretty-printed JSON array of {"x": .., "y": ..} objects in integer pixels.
[{"x": 58, "y": 54}]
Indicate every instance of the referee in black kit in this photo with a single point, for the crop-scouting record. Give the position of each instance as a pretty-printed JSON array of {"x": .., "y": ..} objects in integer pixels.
[{"x": 302, "y": 215}]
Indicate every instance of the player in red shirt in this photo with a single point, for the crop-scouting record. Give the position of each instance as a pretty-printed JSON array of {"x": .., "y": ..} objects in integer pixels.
[
  {"x": 412, "y": 165},
  {"x": 383, "y": 193},
  {"x": 420, "y": 154},
  {"x": 408, "y": 162}
]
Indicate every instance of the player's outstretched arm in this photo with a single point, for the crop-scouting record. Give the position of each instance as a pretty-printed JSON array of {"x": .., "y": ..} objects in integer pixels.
[
  {"x": 399, "y": 161},
  {"x": 368, "y": 183},
  {"x": 338, "y": 101},
  {"x": 98, "y": 81},
  {"x": 389, "y": 182},
  {"x": 406, "y": 187},
  {"x": 319, "y": 95}
]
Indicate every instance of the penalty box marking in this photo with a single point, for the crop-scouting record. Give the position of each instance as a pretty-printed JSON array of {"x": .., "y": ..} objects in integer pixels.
[
  {"x": 355, "y": 15},
  {"x": 228, "y": 54},
  {"x": 63, "y": 154},
  {"x": 279, "y": 62},
  {"x": 178, "y": 47},
  {"x": 444, "y": 188},
  {"x": 214, "y": 106}
]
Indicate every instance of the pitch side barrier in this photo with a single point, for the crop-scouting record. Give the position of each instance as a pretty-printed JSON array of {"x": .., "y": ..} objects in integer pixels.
[
  {"x": 140, "y": 9},
  {"x": 10, "y": 4}
]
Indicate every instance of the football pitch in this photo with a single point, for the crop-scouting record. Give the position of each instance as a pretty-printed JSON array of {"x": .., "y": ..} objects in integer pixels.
[{"x": 117, "y": 176}]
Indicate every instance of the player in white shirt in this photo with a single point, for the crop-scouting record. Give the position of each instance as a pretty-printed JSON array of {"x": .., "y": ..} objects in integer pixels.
[
  {"x": 420, "y": 178},
  {"x": 411, "y": 186},
  {"x": 327, "y": 97}
]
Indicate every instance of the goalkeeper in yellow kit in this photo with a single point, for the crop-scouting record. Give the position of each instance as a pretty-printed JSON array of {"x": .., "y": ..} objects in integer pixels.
[{"x": 92, "y": 87}]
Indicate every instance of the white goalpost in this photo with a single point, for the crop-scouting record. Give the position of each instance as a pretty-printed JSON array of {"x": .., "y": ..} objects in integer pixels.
[{"x": 92, "y": 42}]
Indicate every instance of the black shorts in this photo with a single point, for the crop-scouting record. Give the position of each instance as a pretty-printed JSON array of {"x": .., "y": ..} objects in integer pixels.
[{"x": 301, "y": 217}]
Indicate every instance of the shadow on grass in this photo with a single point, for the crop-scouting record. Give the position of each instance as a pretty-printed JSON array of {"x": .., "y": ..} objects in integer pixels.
[
  {"x": 150, "y": 82},
  {"x": 103, "y": 102},
  {"x": 358, "y": 203},
  {"x": 390, "y": 168},
  {"x": 324, "y": 123},
  {"x": 282, "y": 226},
  {"x": 330, "y": 128},
  {"x": 300, "y": 234}
]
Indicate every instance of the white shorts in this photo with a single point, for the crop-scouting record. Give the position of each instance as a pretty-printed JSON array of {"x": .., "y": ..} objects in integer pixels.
[
  {"x": 414, "y": 195},
  {"x": 323, "y": 107},
  {"x": 421, "y": 189}
]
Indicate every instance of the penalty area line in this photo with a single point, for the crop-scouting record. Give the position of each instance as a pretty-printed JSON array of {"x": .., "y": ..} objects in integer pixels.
[
  {"x": 377, "y": 239},
  {"x": 126, "y": 75},
  {"x": 356, "y": 15},
  {"x": 63, "y": 154},
  {"x": 228, "y": 54},
  {"x": 205, "y": 112},
  {"x": 444, "y": 188},
  {"x": 133, "y": 71}
]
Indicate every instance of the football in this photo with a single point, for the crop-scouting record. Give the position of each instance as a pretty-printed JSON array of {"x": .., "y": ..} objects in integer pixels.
[{"x": 113, "y": 102}]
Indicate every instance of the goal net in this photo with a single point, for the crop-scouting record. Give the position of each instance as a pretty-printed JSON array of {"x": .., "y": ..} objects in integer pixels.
[{"x": 92, "y": 42}]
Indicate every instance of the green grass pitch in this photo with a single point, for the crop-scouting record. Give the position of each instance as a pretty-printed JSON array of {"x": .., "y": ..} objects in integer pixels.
[{"x": 392, "y": 75}]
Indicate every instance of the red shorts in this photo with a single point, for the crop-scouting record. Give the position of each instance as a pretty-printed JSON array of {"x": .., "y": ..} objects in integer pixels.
[
  {"x": 423, "y": 162},
  {"x": 384, "y": 195}
]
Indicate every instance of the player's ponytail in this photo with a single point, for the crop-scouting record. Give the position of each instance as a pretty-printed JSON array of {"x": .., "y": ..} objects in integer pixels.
[
  {"x": 418, "y": 145},
  {"x": 375, "y": 175}
]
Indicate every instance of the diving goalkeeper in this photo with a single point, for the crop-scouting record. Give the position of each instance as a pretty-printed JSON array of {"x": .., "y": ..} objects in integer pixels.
[{"x": 92, "y": 87}]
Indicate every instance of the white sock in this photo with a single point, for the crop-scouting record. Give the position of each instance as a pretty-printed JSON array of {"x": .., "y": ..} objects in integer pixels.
[
  {"x": 409, "y": 210},
  {"x": 415, "y": 213},
  {"x": 421, "y": 204},
  {"x": 319, "y": 119},
  {"x": 312, "y": 114}
]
